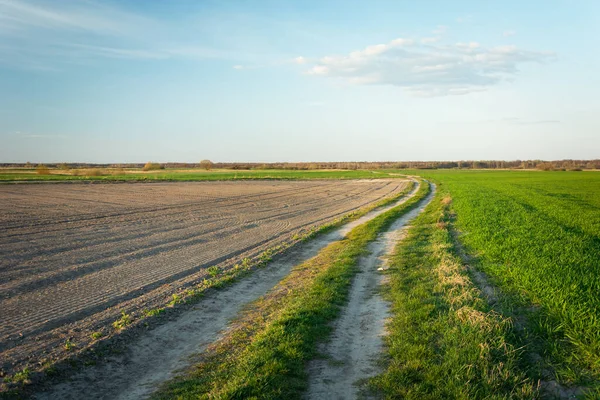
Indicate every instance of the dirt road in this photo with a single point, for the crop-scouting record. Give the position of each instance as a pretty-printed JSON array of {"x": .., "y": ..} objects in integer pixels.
[{"x": 352, "y": 353}]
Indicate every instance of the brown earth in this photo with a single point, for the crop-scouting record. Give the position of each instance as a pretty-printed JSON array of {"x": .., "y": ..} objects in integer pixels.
[{"x": 72, "y": 257}]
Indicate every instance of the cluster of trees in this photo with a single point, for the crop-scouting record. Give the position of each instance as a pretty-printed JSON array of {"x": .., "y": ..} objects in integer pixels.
[{"x": 463, "y": 164}]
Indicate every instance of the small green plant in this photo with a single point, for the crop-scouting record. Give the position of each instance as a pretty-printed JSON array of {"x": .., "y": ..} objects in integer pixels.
[
  {"x": 266, "y": 256},
  {"x": 69, "y": 345},
  {"x": 176, "y": 300},
  {"x": 20, "y": 377},
  {"x": 213, "y": 271},
  {"x": 97, "y": 335},
  {"x": 154, "y": 312},
  {"x": 123, "y": 321}
]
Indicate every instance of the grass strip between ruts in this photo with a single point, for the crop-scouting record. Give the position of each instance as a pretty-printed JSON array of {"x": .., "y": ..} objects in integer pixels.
[
  {"x": 265, "y": 352},
  {"x": 444, "y": 342}
]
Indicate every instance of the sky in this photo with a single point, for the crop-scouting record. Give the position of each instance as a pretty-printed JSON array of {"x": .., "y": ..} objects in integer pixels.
[{"x": 267, "y": 81}]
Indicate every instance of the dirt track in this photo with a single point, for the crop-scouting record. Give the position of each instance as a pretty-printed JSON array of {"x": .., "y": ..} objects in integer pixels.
[
  {"x": 73, "y": 256},
  {"x": 352, "y": 354}
]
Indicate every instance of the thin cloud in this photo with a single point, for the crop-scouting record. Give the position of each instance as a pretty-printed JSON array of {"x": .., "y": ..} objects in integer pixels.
[
  {"x": 541, "y": 122},
  {"x": 510, "y": 121},
  {"x": 26, "y": 135},
  {"x": 45, "y": 36},
  {"x": 85, "y": 16},
  {"x": 427, "y": 40},
  {"x": 428, "y": 70},
  {"x": 300, "y": 60},
  {"x": 509, "y": 33}
]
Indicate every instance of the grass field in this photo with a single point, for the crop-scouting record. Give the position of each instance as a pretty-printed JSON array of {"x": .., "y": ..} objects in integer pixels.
[
  {"x": 444, "y": 341},
  {"x": 536, "y": 235}
]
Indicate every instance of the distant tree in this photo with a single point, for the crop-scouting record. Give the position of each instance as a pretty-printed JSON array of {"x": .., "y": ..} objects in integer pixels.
[
  {"x": 545, "y": 166},
  {"x": 151, "y": 166},
  {"x": 206, "y": 164},
  {"x": 64, "y": 166},
  {"x": 41, "y": 169}
]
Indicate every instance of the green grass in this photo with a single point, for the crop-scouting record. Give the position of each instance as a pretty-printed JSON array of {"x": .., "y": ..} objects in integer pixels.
[
  {"x": 444, "y": 342},
  {"x": 12, "y": 175},
  {"x": 265, "y": 354},
  {"x": 537, "y": 237}
]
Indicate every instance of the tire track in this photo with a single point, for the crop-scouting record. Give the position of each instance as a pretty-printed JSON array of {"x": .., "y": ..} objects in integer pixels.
[{"x": 351, "y": 355}]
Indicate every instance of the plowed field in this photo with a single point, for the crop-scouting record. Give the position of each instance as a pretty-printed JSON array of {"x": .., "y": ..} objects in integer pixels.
[{"x": 72, "y": 256}]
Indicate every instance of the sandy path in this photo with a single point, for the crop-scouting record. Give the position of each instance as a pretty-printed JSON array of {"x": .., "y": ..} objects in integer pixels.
[
  {"x": 155, "y": 356},
  {"x": 357, "y": 341}
]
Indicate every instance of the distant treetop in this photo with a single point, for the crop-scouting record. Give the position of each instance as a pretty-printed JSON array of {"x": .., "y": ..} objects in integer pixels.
[{"x": 206, "y": 164}]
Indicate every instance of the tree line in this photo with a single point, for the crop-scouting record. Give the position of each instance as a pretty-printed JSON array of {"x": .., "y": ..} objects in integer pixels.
[{"x": 352, "y": 165}]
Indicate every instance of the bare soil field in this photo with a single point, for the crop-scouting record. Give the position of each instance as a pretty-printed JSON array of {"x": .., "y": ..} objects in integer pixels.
[{"x": 73, "y": 256}]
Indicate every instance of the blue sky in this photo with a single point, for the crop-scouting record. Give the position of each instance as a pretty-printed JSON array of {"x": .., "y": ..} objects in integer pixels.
[{"x": 132, "y": 81}]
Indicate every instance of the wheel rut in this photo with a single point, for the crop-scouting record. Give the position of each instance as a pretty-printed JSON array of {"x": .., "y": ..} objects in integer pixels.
[{"x": 352, "y": 354}]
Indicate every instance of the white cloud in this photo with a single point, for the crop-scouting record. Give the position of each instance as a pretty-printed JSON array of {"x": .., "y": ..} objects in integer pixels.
[
  {"x": 300, "y": 60},
  {"x": 509, "y": 33},
  {"x": 427, "y": 70},
  {"x": 238, "y": 67},
  {"x": 318, "y": 70}
]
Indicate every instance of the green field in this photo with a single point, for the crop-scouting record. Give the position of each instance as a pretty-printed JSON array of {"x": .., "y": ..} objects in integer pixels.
[{"x": 536, "y": 236}]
